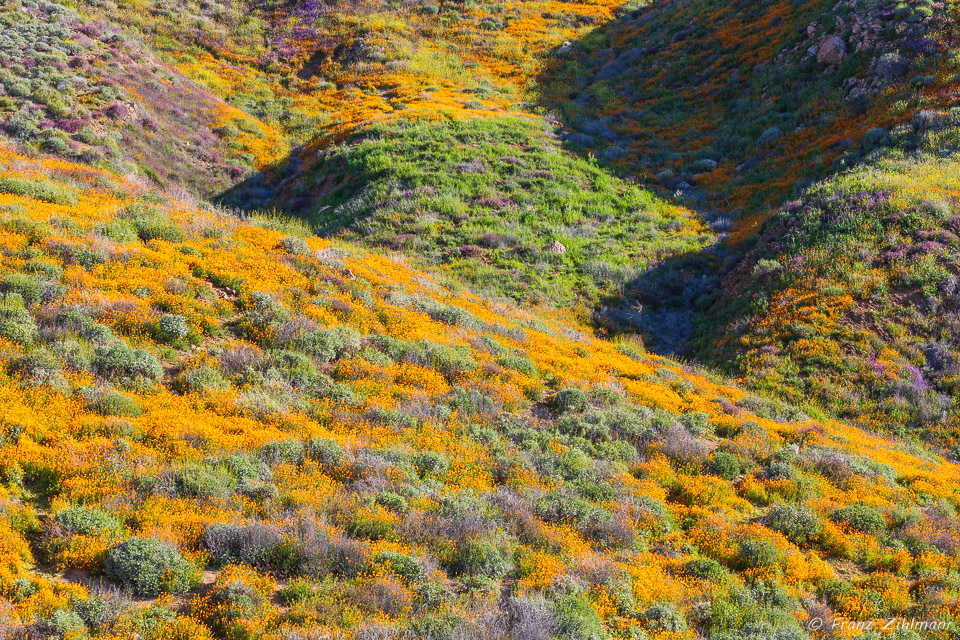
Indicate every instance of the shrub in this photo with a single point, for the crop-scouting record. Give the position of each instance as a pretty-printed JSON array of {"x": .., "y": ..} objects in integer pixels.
[
  {"x": 199, "y": 380},
  {"x": 569, "y": 400},
  {"x": 120, "y": 231},
  {"x": 16, "y": 323},
  {"x": 382, "y": 595},
  {"x": 85, "y": 521},
  {"x": 431, "y": 463},
  {"x": 797, "y": 523},
  {"x": 118, "y": 360},
  {"x": 392, "y": 501},
  {"x": 860, "y": 518},
  {"x": 756, "y": 553},
  {"x": 149, "y": 566},
  {"x": 171, "y": 327},
  {"x": 348, "y": 558},
  {"x": 724, "y": 464},
  {"x": 557, "y": 507},
  {"x": 244, "y": 467},
  {"x": 112, "y": 403},
  {"x": 295, "y": 246},
  {"x": 518, "y": 363},
  {"x": 39, "y": 365},
  {"x": 664, "y": 617},
  {"x": 26, "y": 286},
  {"x": 368, "y": 524},
  {"x": 42, "y": 190},
  {"x": 203, "y": 481},
  {"x": 531, "y": 618},
  {"x": 327, "y": 452},
  {"x": 282, "y": 452},
  {"x": 401, "y": 564},
  {"x": 156, "y": 228},
  {"x": 576, "y": 619},
  {"x": 257, "y": 545},
  {"x": 328, "y": 345},
  {"x": 704, "y": 569},
  {"x": 697, "y": 423},
  {"x": 478, "y": 557}
]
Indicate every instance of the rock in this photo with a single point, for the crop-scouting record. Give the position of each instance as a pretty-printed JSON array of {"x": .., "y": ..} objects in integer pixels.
[
  {"x": 556, "y": 247},
  {"x": 831, "y": 51}
]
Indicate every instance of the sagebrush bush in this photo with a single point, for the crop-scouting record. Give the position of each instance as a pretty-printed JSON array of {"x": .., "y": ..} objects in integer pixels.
[
  {"x": 120, "y": 361},
  {"x": 570, "y": 400},
  {"x": 109, "y": 402},
  {"x": 479, "y": 557},
  {"x": 797, "y": 523},
  {"x": 203, "y": 481},
  {"x": 327, "y": 452},
  {"x": 85, "y": 521},
  {"x": 256, "y": 545},
  {"x": 861, "y": 518},
  {"x": 148, "y": 567},
  {"x": 16, "y": 322}
]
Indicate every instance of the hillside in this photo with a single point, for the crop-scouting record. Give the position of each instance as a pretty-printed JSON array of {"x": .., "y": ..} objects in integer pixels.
[
  {"x": 848, "y": 296},
  {"x": 737, "y": 104},
  {"x": 84, "y": 90},
  {"x": 316, "y": 320},
  {"x": 284, "y": 433}
]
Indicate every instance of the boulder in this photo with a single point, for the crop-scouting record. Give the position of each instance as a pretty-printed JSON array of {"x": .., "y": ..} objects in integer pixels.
[
  {"x": 557, "y": 247},
  {"x": 831, "y": 51}
]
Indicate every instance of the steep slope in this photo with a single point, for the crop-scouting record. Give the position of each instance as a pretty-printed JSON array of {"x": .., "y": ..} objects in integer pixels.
[
  {"x": 416, "y": 135},
  {"x": 737, "y": 103},
  {"x": 849, "y": 295},
  {"x": 304, "y": 439},
  {"x": 87, "y": 91}
]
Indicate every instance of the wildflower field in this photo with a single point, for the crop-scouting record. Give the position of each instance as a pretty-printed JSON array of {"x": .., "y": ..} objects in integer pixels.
[{"x": 340, "y": 320}]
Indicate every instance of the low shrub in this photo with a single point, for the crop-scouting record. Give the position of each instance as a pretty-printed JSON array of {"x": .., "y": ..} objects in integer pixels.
[
  {"x": 203, "y": 481},
  {"x": 569, "y": 400},
  {"x": 704, "y": 569},
  {"x": 149, "y": 567},
  {"x": 282, "y": 452},
  {"x": 85, "y": 521},
  {"x": 119, "y": 361},
  {"x": 110, "y": 402},
  {"x": 42, "y": 190},
  {"x": 401, "y": 564},
  {"x": 25, "y": 285},
  {"x": 860, "y": 518},
  {"x": 756, "y": 553},
  {"x": 16, "y": 323},
  {"x": 327, "y": 452},
  {"x": 478, "y": 557},
  {"x": 170, "y": 327},
  {"x": 431, "y": 463},
  {"x": 724, "y": 464},
  {"x": 798, "y": 524},
  {"x": 257, "y": 545}
]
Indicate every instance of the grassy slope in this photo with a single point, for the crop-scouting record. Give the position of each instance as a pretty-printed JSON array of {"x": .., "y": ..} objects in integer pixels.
[
  {"x": 358, "y": 84},
  {"x": 403, "y": 458},
  {"x": 84, "y": 90},
  {"x": 488, "y": 198},
  {"x": 848, "y": 297},
  {"x": 728, "y": 100},
  {"x": 837, "y": 301}
]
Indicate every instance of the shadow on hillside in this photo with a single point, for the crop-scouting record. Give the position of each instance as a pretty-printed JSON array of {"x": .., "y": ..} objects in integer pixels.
[
  {"x": 723, "y": 124},
  {"x": 733, "y": 125}
]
